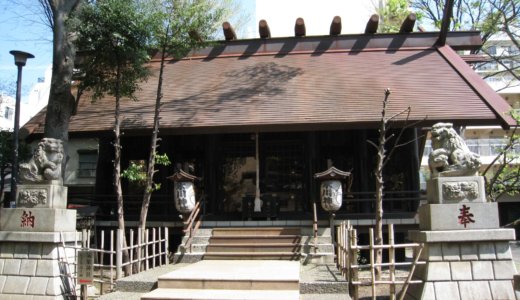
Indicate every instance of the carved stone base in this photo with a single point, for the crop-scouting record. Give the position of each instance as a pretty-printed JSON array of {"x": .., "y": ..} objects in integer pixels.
[
  {"x": 41, "y": 196},
  {"x": 37, "y": 219},
  {"x": 475, "y": 264},
  {"x": 456, "y": 190}
]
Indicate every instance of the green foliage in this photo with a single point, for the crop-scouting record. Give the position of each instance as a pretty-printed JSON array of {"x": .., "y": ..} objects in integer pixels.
[
  {"x": 113, "y": 38},
  {"x": 187, "y": 24},
  {"x": 503, "y": 174},
  {"x": 136, "y": 171},
  {"x": 393, "y": 14}
]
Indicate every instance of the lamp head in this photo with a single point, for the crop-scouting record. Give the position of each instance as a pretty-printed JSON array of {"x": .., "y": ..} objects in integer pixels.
[{"x": 20, "y": 57}]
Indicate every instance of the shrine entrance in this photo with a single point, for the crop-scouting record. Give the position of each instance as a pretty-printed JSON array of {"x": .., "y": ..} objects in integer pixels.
[{"x": 282, "y": 175}]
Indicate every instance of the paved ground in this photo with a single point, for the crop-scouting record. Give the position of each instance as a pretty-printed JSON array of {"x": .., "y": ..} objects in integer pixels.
[{"x": 515, "y": 250}]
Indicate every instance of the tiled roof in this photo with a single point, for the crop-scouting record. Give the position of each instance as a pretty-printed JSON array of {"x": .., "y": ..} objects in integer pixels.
[{"x": 302, "y": 84}]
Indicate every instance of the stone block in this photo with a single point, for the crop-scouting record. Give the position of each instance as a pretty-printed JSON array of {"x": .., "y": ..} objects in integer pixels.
[
  {"x": 50, "y": 251},
  {"x": 39, "y": 237},
  {"x": 55, "y": 287},
  {"x": 6, "y": 250},
  {"x": 432, "y": 252},
  {"x": 423, "y": 291},
  {"x": 21, "y": 250},
  {"x": 41, "y": 196},
  {"x": 38, "y": 286},
  {"x": 474, "y": 290},
  {"x": 486, "y": 251},
  {"x": 477, "y": 235},
  {"x": 446, "y": 290},
  {"x": 48, "y": 268},
  {"x": 503, "y": 251},
  {"x": 504, "y": 269},
  {"x": 463, "y": 189},
  {"x": 16, "y": 285},
  {"x": 450, "y": 251},
  {"x": 3, "y": 278},
  {"x": 438, "y": 271},
  {"x": 35, "y": 251},
  {"x": 37, "y": 219},
  {"x": 448, "y": 216},
  {"x": 502, "y": 289},
  {"x": 12, "y": 266},
  {"x": 2, "y": 262},
  {"x": 461, "y": 270},
  {"x": 482, "y": 270},
  {"x": 469, "y": 251},
  {"x": 28, "y": 267}
]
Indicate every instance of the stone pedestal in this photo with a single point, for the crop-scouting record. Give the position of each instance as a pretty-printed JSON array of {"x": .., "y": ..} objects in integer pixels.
[
  {"x": 33, "y": 261},
  {"x": 467, "y": 256}
]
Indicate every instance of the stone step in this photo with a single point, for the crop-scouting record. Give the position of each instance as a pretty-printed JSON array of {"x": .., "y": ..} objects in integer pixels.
[
  {"x": 221, "y": 294},
  {"x": 256, "y": 231},
  {"x": 257, "y": 239},
  {"x": 255, "y": 247},
  {"x": 252, "y": 256}
]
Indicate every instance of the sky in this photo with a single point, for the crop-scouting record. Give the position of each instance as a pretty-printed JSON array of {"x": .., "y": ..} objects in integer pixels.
[{"x": 23, "y": 28}]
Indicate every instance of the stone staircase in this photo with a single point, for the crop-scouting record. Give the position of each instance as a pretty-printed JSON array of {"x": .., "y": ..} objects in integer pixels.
[
  {"x": 257, "y": 243},
  {"x": 250, "y": 263},
  {"x": 227, "y": 279}
]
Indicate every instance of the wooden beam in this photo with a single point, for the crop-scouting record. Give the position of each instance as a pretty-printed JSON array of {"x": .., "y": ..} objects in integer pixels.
[
  {"x": 372, "y": 24},
  {"x": 299, "y": 27},
  {"x": 263, "y": 29},
  {"x": 229, "y": 32},
  {"x": 446, "y": 19},
  {"x": 335, "y": 26},
  {"x": 408, "y": 23}
]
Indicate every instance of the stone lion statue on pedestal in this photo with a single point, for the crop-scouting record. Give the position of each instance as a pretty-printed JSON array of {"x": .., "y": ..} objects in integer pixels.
[
  {"x": 45, "y": 164},
  {"x": 451, "y": 156}
]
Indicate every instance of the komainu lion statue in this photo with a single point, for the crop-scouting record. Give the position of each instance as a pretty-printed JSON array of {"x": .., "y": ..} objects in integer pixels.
[
  {"x": 450, "y": 155},
  {"x": 45, "y": 164}
]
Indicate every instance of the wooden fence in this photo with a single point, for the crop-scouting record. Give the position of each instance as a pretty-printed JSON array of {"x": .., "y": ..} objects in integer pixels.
[
  {"x": 348, "y": 262},
  {"x": 145, "y": 251}
]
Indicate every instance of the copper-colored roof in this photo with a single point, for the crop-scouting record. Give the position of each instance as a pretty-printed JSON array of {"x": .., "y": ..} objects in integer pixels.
[{"x": 303, "y": 84}]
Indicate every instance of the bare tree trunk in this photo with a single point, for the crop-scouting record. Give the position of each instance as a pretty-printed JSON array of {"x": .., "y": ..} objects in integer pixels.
[
  {"x": 381, "y": 154},
  {"x": 61, "y": 101},
  {"x": 153, "y": 148},
  {"x": 117, "y": 168}
]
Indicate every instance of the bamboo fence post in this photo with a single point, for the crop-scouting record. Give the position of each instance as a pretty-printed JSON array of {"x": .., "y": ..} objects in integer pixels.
[
  {"x": 112, "y": 253},
  {"x": 119, "y": 253},
  {"x": 101, "y": 260},
  {"x": 354, "y": 258},
  {"x": 139, "y": 246},
  {"x": 146, "y": 249},
  {"x": 391, "y": 259},
  {"x": 166, "y": 245},
  {"x": 347, "y": 253},
  {"x": 412, "y": 270},
  {"x": 372, "y": 267},
  {"x": 339, "y": 262},
  {"x": 132, "y": 251},
  {"x": 160, "y": 247},
  {"x": 153, "y": 247}
]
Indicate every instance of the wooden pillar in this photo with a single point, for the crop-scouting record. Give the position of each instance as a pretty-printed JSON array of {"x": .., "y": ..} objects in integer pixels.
[
  {"x": 372, "y": 24},
  {"x": 299, "y": 27},
  {"x": 263, "y": 29},
  {"x": 408, "y": 23},
  {"x": 211, "y": 178}
]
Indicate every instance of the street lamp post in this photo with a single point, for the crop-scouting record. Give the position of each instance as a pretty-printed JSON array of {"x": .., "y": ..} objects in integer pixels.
[{"x": 20, "y": 58}]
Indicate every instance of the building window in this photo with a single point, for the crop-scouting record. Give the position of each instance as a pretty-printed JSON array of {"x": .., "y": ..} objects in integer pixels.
[
  {"x": 8, "y": 113},
  {"x": 492, "y": 50},
  {"x": 87, "y": 163}
]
